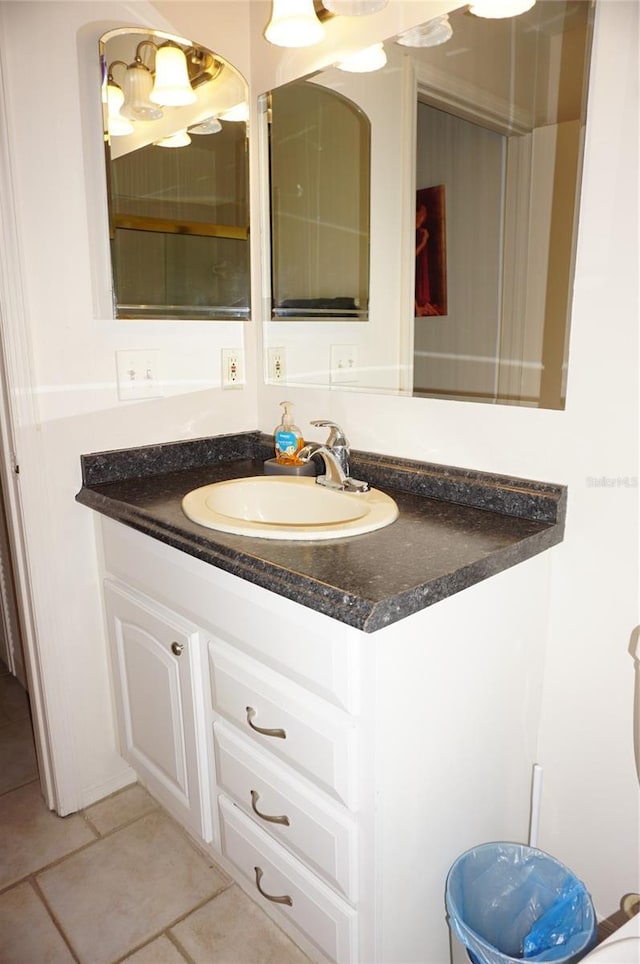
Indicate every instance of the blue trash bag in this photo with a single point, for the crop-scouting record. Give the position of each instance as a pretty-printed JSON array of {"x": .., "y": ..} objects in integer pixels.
[{"x": 508, "y": 902}]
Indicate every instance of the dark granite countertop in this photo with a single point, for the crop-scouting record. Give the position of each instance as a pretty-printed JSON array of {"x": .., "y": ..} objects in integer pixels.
[{"x": 455, "y": 528}]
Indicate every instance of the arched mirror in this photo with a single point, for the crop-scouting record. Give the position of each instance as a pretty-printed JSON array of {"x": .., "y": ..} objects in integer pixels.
[
  {"x": 477, "y": 130},
  {"x": 175, "y": 121},
  {"x": 319, "y": 154}
]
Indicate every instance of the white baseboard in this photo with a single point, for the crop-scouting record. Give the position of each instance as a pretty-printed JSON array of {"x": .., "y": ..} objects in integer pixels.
[{"x": 99, "y": 791}]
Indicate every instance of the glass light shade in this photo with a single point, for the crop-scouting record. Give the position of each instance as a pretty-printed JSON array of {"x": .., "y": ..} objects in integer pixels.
[
  {"x": 138, "y": 83},
  {"x": 172, "y": 87},
  {"x": 497, "y": 9},
  {"x": 430, "y": 34},
  {"x": 179, "y": 139},
  {"x": 239, "y": 112},
  {"x": 354, "y": 8},
  {"x": 293, "y": 24},
  {"x": 118, "y": 125},
  {"x": 365, "y": 61},
  {"x": 209, "y": 126}
]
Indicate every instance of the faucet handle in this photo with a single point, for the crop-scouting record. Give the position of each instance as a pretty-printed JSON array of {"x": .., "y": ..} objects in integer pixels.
[{"x": 336, "y": 435}]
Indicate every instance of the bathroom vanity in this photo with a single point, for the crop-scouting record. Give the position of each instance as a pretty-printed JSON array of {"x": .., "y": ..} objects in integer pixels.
[{"x": 334, "y": 722}]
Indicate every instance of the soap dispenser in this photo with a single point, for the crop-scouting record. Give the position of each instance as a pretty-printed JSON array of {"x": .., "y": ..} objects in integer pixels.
[{"x": 288, "y": 441}]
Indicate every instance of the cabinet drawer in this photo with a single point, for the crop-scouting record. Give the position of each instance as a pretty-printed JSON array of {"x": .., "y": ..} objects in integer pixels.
[
  {"x": 310, "y": 905},
  {"x": 319, "y": 653},
  {"x": 322, "y": 834},
  {"x": 317, "y": 739}
]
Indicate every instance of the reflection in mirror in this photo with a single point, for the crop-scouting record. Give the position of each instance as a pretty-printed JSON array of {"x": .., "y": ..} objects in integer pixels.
[
  {"x": 177, "y": 176},
  {"x": 319, "y": 158},
  {"x": 496, "y": 116}
]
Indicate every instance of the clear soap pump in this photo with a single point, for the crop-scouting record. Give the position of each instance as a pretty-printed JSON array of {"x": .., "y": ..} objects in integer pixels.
[{"x": 288, "y": 438}]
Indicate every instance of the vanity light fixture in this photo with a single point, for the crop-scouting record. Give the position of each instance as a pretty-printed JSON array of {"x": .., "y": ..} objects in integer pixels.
[
  {"x": 365, "y": 61},
  {"x": 497, "y": 9},
  {"x": 172, "y": 87},
  {"x": 293, "y": 24},
  {"x": 354, "y": 8},
  {"x": 179, "y": 139},
  {"x": 430, "y": 34}
]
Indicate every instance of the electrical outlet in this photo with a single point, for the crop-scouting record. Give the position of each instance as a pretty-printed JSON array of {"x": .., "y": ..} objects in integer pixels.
[
  {"x": 277, "y": 364},
  {"x": 138, "y": 374},
  {"x": 232, "y": 368},
  {"x": 344, "y": 364}
]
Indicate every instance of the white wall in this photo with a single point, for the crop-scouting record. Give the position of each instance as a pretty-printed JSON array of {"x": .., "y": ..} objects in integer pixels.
[{"x": 590, "y": 803}]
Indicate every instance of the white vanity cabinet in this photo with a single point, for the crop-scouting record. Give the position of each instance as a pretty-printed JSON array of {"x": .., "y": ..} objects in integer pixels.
[{"x": 343, "y": 772}]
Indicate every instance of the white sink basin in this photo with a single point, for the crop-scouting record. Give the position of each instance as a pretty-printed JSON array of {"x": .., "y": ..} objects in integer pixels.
[{"x": 276, "y": 507}]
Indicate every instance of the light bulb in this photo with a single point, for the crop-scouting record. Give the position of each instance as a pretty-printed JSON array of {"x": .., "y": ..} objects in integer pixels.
[{"x": 293, "y": 24}]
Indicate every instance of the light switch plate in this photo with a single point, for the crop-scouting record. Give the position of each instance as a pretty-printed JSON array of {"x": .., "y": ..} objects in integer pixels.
[
  {"x": 138, "y": 374},
  {"x": 344, "y": 364}
]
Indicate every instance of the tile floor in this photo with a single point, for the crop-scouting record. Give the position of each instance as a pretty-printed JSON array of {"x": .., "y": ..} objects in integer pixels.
[{"x": 119, "y": 881}]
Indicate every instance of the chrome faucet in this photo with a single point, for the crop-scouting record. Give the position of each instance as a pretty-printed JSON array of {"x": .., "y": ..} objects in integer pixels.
[
  {"x": 337, "y": 442},
  {"x": 336, "y": 458}
]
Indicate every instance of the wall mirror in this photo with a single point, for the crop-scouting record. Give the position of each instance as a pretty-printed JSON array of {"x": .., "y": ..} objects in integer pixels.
[
  {"x": 175, "y": 122},
  {"x": 319, "y": 162},
  {"x": 476, "y": 154}
]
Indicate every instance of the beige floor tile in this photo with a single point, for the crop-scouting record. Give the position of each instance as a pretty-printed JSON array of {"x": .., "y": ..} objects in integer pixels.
[
  {"x": 33, "y": 836},
  {"x": 120, "y": 809},
  {"x": 160, "y": 951},
  {"x": 14, "y": 703},
  {"x": 18, "y": 764},
  {"x": 127, "y": 887},
  {"x": 27, "y": 933},
  {"x": 231, "y": 929}
]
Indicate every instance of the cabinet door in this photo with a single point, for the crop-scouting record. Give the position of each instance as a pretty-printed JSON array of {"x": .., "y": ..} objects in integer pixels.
[{"x": 159, "y": 696}]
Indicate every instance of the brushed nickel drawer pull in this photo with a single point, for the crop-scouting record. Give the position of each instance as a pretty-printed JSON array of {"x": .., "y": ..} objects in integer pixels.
[
  {"x": 276, "y": 900},
  {"x": 259, "y": 729},
  {"x": 255, "y": 796},
  {"x": 176, "y": 648}
]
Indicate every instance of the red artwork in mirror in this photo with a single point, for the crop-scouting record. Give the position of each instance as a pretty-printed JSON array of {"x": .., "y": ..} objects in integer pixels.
[{"x": 431, "y": 254}]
